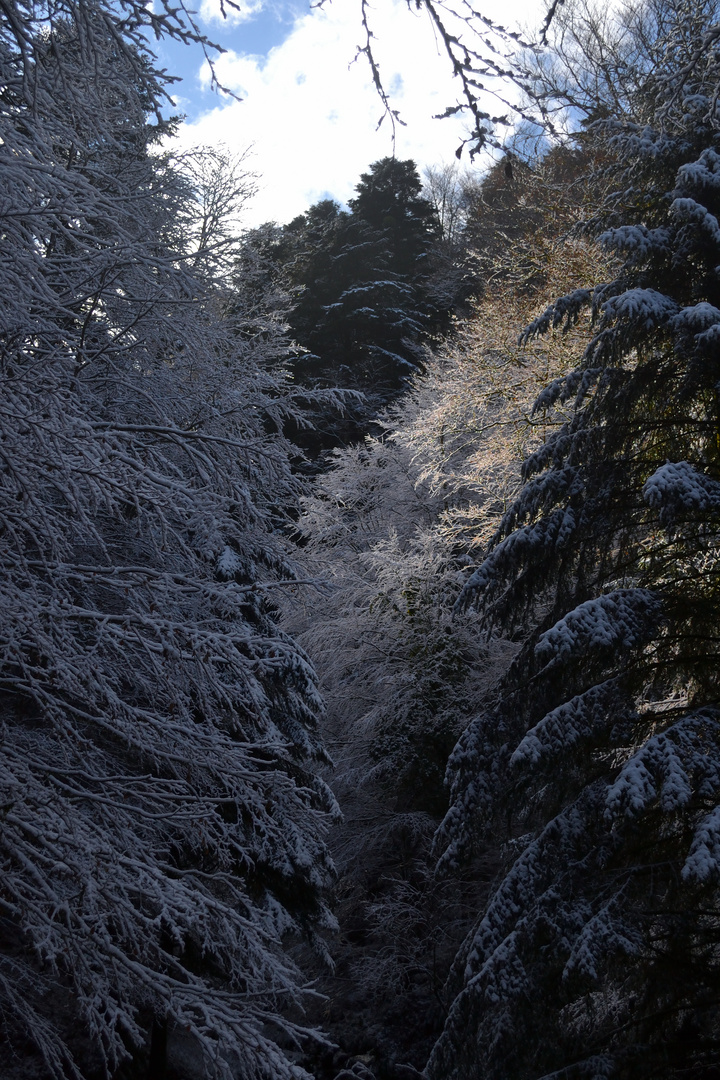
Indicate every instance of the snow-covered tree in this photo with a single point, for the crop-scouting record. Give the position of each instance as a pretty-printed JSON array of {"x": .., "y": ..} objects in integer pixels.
[
  {"x": 161, "y": 820},
  {"x": 388, "y": 531},
  {"x": 599, "y": 762},
  {"x": 399, "y": 678},
  {"x": 469, "y": 421}
]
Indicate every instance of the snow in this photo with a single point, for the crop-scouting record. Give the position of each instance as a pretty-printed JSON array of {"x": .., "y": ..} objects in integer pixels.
[
  {"x": 577, "y": 383},
  {"x": 229, "y": 563},
  {"x": 697, "y": 318},
  {"x": 526, "y": 901},
  {"x": 555, "y": 530},
  {"x": 688, "y": 210},
  {"x": 565, "y": 310},
  {"x": 557, "y": 390},
  {"x": 646, "y": 308},
  {"x": 562, "y": 729},
  {"x": 557, "y": 485},
  {"x": 645, "y": 142},
  {"x": 605, "y": 933},
  {"x": 637, "y": 241},
  {"x": 677, "y": 488},
  {"x": 669, "y": 769},
  {"x": 615, "y": 621},
  {"x": 703, "y": 860},
  {"x": 703, "y": 173}
]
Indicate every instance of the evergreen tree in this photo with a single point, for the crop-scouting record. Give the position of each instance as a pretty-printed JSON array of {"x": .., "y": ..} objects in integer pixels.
[
  {"x": 599, "y": 763},
  {"x": 362, "y": 306},
  {"x": 389, "y": 199}
]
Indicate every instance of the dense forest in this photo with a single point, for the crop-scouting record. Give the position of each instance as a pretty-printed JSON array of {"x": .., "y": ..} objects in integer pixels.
[{"x": 360, "y": 630}]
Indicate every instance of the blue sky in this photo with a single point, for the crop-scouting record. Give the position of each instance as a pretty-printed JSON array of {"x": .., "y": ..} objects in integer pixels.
[
  {"x": 308, "y": 114},
  {"x": 261, "y": 28}
]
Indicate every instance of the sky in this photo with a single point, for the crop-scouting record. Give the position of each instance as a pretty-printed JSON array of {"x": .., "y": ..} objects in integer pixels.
[{"x": 308, "y": 112}]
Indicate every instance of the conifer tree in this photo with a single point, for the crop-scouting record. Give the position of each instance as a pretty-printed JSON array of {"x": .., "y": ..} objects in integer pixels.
[
  {"x": 362, "y": 305},
  {"x": 389, "y": 199},
  {"x": 599, "y": 763}
]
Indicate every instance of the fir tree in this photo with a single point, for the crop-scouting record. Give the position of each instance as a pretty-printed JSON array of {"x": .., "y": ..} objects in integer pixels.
[
  {"x": 362, "y": 304},
  {"x": 599, "y": 764},
  {"x": 389, "y": 199}
]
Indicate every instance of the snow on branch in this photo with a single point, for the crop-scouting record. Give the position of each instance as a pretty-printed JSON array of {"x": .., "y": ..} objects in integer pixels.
[
  {"x": 562, "y": 313},
  {"x": 703, "y": 173},
  {"x": 162, "y": 821},
  {"x": 643, "y": 309},
  {"x": 566, "y": 727},
  {"x": 677, "y": 488},
  {"x": 671, "y": 768},
  {"x": 516, "y": 550},
  {"x": 618, "y": 620},
  {"x": 688, "y": 210},
  {"x": 703, "y": 861},
  {"x": 637, "y": 242}
]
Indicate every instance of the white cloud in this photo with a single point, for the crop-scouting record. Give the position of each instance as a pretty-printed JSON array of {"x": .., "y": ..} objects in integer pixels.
[
  {"x": 311, "y": 113},
  {"x": 239, "y": 11}
]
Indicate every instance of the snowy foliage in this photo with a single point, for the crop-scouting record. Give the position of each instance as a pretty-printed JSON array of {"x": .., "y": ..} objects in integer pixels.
[
  {"x": 597, "y": 763},
  {"x": 670, "y": 768},
  {"x": 677, "y": 489},
  {"x": 386, "y": 539},
  {"x": 162, "y": 827},
  {"x": 400, "y": 677},
  {"x": 380, "y": 630},
  {"x": 614, "y": 622}
]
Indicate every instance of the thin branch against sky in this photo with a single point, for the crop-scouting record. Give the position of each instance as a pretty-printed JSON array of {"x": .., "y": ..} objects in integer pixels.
[{"x": 311, "y": 114}]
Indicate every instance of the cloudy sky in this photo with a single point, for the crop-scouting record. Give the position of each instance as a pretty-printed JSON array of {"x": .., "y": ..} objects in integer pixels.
[{"x": 307, "y": 111}]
